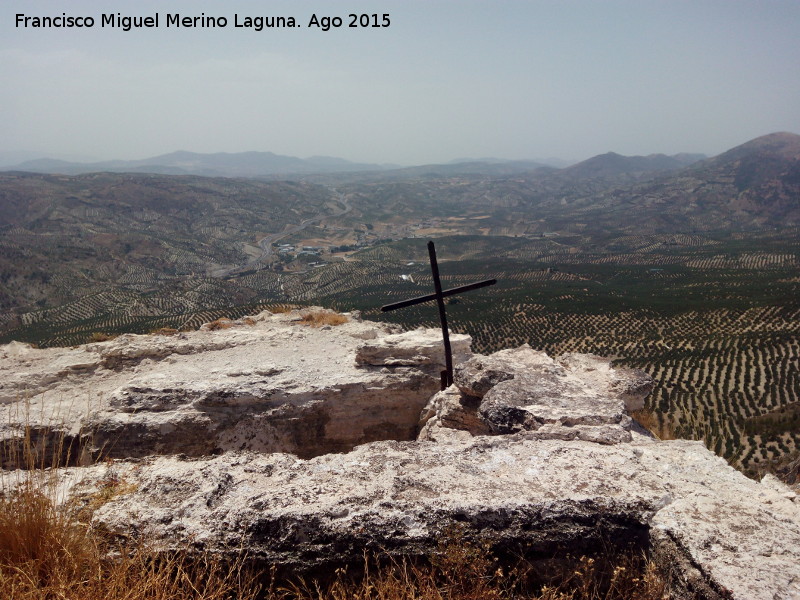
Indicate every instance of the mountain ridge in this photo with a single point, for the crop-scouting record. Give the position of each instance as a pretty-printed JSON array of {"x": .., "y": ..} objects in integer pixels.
[
  {"x": 268, "y": 164},
  {"x": 216, "y": 164},
  {"x": 613, "y": 164}
]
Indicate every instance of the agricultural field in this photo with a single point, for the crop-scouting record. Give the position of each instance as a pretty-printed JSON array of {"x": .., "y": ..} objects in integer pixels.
[
  {"x": 715, "y": 319},
  {"x": 691, "y": 273}
]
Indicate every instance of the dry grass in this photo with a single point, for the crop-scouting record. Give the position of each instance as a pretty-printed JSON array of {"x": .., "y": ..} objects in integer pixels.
[
  {"x": 46, "y": 553},
  {"x": 108, "y": 488},
  {"x": 164, "y": 331},
  {"x": 463, "y": 571},
  {"x": 655, "y": 423},
  {"x": 320, "y": 318},
  {"x": 281, "y": 308},
  {"x": 41, "y": 548},
  {"x": 99, "y": 336},
  {"x": 50, "y": 551},
  {"x": 218, "y": 324},
  {"x": 225, "y": 323}
]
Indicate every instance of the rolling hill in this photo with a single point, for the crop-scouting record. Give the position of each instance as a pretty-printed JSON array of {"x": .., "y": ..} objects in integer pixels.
[{"x": 687, "y": 271}]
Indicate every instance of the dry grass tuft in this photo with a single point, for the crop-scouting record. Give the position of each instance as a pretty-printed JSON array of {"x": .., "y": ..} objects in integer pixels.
[
  {"x": 41, "y": 548},
  {"x": 50, "y": 551},
  {"x": 320, "y": 318},
  {"x": 164, "y": 331},
  {"x": 45, "y": 554},
  {"x": 464, "y": 571},
  {"x": 221, "y": 323},
  {"x": 281, "y": 308},
  {"x": 656, "y": 424},
  {"x": 108, "y": 488},
  {"x": 99, "y": 336}
]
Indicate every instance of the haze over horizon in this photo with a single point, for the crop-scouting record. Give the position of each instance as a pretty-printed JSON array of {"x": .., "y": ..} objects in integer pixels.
[{"x": 446, "y": 79}]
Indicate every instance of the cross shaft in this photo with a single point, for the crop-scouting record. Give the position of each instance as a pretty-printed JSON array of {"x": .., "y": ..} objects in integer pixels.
[{"x": 439, "y": 296}]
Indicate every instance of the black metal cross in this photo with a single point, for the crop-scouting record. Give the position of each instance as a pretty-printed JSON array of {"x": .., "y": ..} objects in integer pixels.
[{"x": 439, "y": 296}]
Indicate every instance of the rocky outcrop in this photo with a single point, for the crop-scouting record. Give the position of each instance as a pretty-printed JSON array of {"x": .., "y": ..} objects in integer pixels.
[
  {"x": 412, "y": 348},
  {"x": 572, "y": 397},
  {"x": 268, "y": 383},
  {"x": 546, "y": 497},
  {"x": 274, "y": 438}
]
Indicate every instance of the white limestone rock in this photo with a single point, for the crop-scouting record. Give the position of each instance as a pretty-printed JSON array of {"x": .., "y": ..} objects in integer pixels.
[
  {"x": 420, "y": 347},
  {"x": 268, "y": 383},
  {"x": 541, "y": 495},
  {"x": 451, "y": 414},
  {"x": 572, "y": 397},
  {"x": 267, "y": 436}
]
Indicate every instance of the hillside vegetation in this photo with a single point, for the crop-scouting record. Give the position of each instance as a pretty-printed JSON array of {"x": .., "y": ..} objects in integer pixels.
[{"x": 687, "y": 269}]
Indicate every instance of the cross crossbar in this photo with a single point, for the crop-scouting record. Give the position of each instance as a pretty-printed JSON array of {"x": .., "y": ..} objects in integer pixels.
[
  {"x": 445, "y": 293},
  {"x": 439, "y": 296}
]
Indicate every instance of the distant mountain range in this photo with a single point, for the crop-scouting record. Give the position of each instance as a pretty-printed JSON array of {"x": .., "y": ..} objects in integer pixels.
[
  {"x": 220, "y": 164},
  {"x": 753, "y": 186},
  {"x": 612, "y": 164},
  {"x": 270, "y": 165}
]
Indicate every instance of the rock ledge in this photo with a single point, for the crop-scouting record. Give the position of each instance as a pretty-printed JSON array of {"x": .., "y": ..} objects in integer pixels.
[{"x": 304, "y": 446}]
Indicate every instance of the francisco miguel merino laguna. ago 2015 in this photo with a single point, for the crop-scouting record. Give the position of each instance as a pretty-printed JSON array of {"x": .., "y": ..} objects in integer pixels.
[{"x": 175, "y": 20}]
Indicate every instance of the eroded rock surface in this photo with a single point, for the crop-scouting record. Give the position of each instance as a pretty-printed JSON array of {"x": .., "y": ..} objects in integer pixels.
[
  {"x": 267, "y": 383},
  {"x": 412, "y": 348},
  {"x": 271, "y": 437},
  {"x": 548, "y": 496},
  {"x": 571, "y": 397}
]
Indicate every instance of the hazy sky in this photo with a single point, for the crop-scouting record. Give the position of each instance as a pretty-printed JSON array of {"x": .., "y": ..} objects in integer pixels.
[{"x": 446, "y": 79}]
